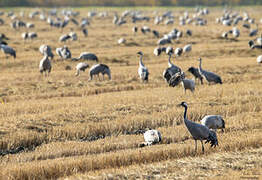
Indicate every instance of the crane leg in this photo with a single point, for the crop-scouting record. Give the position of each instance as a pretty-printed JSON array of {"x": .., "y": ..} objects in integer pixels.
[
  {"x": 203, "y": 149},
  {"x": 195, "y": 146}
]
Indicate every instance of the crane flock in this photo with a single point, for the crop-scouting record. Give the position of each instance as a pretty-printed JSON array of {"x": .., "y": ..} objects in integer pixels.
[{"x": 173, "y": 74}]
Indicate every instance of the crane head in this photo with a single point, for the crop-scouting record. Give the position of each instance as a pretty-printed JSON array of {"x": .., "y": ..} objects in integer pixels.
[
  {"x": 184, "y": 104},
  {"x": 140, "y": 53},
  {"x": 200, "y": 59}
]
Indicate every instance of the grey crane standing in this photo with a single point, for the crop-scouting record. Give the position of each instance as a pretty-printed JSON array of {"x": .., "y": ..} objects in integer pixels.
[
  {"x": 173, "y": 73},
  {"x": 85, "y": 32},
  {"x": 46, "y": 50},
  {"x": 134, "y": 29},
  {"x": 63, "y": 52},
  {"x": 142, "y": 70},
  {"x": 199, "y": 131},
  {"x": 157, "y": 51},
  {"x": 8, "y": 50},
  {"x": 45, "y": 65},
  {"x": 209, "y": 76},
  {"x": 195, "y": 72}
]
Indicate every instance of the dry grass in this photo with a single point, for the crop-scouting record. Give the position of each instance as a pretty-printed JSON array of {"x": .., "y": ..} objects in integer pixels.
[{"x": 72, "y": 127}]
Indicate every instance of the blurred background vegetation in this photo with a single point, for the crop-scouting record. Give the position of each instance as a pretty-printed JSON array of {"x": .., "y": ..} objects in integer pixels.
[{"x": 57, "y": 3}]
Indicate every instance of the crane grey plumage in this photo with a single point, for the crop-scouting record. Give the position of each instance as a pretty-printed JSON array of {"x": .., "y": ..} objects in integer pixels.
[
  {"x": 142, "y": 69},
  {"x": 169, "y": 49},
  {"x": 199, "y": 131},
  {"x": 189, "y": 32},
  {"x": 253, "y": 32},
  {"x": 173, "y": 73},
  {"x": 195, "y": 72},
  {"x": 178, "y": 51},
  {"x": 8, "y": 50},
  {"x": 156, "y": 33},
  {"x": 73, "y": 36},
  {"x": 188, "y": 84},
  {"x": 259, "y": 59},
  {"x": 259, "y": 40},
  {"x": 64, "y": 37},
  {"x": 45, "y": 65},
  {"x": 252, "y": 45},
  {"x": 157, "y": 51},
  {"x": 3, "y": 37},
  {"x": 121, "y": 41},
  {"x": 151, "y": 137},
  {"x": 134, "y": 29},
  {"x": 46, "y": 50},
  {"x": 207, "y": 75},
  {"x": 85, "y": 32},
  {"x": 99, "y": 68},
  {"x": 187, "y": 48},
  {"x": 86, "y": 56},
  {"x": 213, "y": 122},
  {"x": 82, "y": 66},
  {"x": 29, "y": 35},
  {"x": 235, "y": 32},
  {"x": 63, "y": 52}
]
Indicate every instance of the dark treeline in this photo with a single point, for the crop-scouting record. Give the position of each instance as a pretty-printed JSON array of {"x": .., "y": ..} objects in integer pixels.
[{"x": 51, "y": 3}]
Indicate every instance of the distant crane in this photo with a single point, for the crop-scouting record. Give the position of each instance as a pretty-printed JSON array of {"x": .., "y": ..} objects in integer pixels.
[
  {"x": 209, "y": 76},
  {"x": 82, "y": 66},
  {"x": 8, "y": 50},
  {"x": 86, "y": 56},
  {"x": 151, "y": 137},
  {"x": 97, "y": 69},
  {"x": 142, "y": 70},
  {"x": 45, "y": 65}
]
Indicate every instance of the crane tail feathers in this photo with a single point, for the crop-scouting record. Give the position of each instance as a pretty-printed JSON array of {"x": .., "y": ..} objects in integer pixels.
[{"x": 212, "y": 139}]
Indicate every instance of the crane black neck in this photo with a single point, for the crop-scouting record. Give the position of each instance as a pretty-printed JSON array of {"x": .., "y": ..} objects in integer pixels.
[{"x": 185, "y": 113}]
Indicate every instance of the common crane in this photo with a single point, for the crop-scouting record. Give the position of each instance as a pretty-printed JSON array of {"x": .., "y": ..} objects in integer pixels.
[
  {"x": 169, "y": 50},
  {"x": 63, "y": 52},
  {"x": 188, "y": 84},
  {"x": 46, "y": 50},
  {"x": 151, "y": 137},
  {"x": 85, "y": 32},
  {"x": 195, "y": 72},
  {"x": 199, "y": 131},
  {"x": 86, "y": 56},
  {"x": 173, "y": 73},
  {"x": 121, "y": 41},
  {"x": 82, "y": 66},
  {"x": 8, "y": 50},
  {"x": 45, "y": 65},
  {"x": 213, "y": 122},
  {"x": 252, "y": 45},
  {"x": 97, "y": 69},
  {"x": 207, "y": 75},
  {"x": 157, "y": 51},
  {"x": 187, "y": 48},
  {"x": 259, "y": 59},
  {"x": 134, "y": 29},
  {"x": 178, "y": 51},
  {"x": 156, "y": 33},
  {"x": 142, "y": 70}
]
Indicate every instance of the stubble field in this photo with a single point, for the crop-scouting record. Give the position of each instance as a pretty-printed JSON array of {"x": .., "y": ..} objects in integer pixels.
[{"x": 80, "y": 129}]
